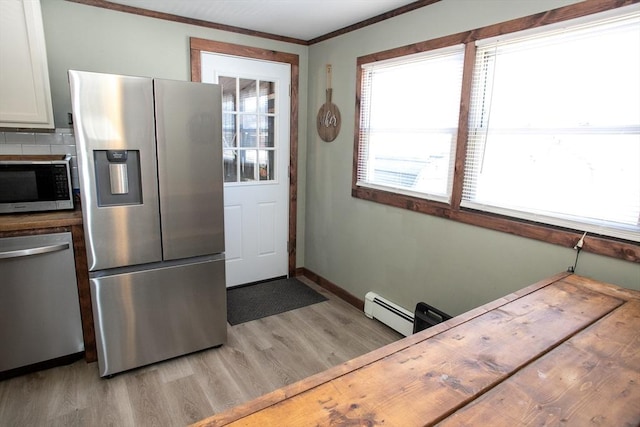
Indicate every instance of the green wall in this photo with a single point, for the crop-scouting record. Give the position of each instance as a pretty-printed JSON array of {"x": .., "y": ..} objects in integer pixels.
[
  {"x": 94, "y": 39},
  {"x": 406, "y": 256},
  {"x": 359, "y": 245}
]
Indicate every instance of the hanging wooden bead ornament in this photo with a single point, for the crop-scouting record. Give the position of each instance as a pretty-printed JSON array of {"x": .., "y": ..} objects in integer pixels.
[{"x": 328, "y": 120}]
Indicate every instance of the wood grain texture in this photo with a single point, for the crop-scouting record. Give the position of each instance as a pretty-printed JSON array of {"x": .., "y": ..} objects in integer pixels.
[
  {"x": 333, "y": 288},
  {"x": 382, "y": 17},
  {"x": 40, "y": 220},
  {"x": 463, "y": 128},
  {"x": 84, "y": 293},
  {"x": 205, "y": 45},
  {"x": 32, "y": 157},
  {"x": 259, "y": 357},
  {"x": 584, "y": 8},
  {"x": 582, "y": 382},
  {"x": 328, "y": 119},
  {"x": 556, "y": 352},
  {"x": 373, "y": 356}
]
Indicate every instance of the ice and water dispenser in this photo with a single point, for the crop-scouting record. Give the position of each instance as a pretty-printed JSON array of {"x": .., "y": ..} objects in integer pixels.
[{"x": 118, "y": 177}]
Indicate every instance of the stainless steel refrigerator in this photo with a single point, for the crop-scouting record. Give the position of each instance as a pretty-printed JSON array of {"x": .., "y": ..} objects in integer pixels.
[{"x": 150, "y": 166}]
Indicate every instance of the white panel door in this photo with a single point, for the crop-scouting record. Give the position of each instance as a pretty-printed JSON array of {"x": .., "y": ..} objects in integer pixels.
[{"x": 255, "y": 122}]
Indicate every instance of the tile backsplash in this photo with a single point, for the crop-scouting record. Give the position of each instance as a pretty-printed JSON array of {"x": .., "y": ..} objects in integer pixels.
[{"x": 62, "y": 141}]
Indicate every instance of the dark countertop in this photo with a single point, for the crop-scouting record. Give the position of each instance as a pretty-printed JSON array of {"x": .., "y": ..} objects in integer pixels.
[{"x": 30, "y": 221}]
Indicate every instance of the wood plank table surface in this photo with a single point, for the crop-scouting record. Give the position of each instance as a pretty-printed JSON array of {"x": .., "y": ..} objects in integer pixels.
[{"x": 564, "y": 351}]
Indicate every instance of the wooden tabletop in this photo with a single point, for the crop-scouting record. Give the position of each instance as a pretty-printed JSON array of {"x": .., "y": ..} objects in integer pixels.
[{"x": 564, "y": 351}]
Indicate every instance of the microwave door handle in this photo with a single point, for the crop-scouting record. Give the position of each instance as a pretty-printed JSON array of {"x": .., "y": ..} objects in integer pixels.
[{"x": 34, "y": 251}]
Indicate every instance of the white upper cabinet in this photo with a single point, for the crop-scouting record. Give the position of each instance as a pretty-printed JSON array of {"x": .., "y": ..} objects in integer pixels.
[{"x": 25, "y": 94}]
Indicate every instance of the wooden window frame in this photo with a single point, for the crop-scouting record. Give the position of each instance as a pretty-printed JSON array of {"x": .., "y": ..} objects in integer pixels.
[{"x": 602, "y": 245}]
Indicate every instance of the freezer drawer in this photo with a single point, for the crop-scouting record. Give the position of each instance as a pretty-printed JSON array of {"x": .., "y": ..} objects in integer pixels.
[
  {"x": 146, "y": 316},
  {"x": 39, "y": 309}
]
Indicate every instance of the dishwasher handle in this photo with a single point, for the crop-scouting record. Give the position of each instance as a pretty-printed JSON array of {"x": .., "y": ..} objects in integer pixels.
[{"x": 34, "y": 251}]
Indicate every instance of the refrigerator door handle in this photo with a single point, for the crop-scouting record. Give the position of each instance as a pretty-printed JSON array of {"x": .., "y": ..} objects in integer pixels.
[{"x": 34, "y": 251}]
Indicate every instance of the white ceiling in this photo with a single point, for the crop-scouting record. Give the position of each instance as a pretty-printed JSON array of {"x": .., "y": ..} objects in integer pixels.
[{"x": 299, "y": 19}]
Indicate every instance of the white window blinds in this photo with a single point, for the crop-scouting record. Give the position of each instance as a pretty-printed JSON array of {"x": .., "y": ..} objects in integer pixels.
[
  {"x": 554, "y": 127},
  {"x": 408, "y": 123}
]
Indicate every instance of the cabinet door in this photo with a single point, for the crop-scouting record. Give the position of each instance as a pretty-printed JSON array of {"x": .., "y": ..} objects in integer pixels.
[{"x": 25, "y": 95}]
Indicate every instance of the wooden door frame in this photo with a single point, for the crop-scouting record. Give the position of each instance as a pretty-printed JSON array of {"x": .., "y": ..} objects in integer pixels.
[{"x": 202, "y": 45}]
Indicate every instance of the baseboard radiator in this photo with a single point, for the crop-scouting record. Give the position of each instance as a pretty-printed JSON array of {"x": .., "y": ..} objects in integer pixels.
[{"x": 389, "y": 313}]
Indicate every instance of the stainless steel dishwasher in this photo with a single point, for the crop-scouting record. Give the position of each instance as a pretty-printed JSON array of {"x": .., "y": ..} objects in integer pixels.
[{"x": 39, "y": 307}]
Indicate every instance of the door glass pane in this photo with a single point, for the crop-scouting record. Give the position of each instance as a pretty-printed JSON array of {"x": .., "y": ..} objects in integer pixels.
[
  {"x": 248, "y": 96},
  {"x": 229, "y": 98},
  {"x": 267, "y": 126},
  {"x": 267, "y": 165},
  {"x": 229, "y": 130},
  {"x": 267, "y": 97},
  {"x": 230, "y": 159},
  {"x": 248, "y": 130},
  {"x": 248, "y": 121},
  {"x": 248, "y": 165}
]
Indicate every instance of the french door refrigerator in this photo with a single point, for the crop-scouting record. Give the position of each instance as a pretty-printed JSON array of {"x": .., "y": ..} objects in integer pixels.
[{"x": 150, "y": 167}]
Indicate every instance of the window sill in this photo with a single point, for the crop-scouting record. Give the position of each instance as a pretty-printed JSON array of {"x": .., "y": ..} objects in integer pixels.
[{"x": 627, "y": 251}]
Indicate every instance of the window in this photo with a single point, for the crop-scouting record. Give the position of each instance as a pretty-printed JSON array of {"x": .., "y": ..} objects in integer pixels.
[
  {"x": 543, "y": 139},
  {"x": 248, "y": 124},
  {"x": 409, "y": 123},
  {"x": 554, "y": 127}
]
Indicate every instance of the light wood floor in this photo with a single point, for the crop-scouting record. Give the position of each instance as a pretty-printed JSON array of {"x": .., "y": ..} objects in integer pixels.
[{"x": 259, "y": 357}]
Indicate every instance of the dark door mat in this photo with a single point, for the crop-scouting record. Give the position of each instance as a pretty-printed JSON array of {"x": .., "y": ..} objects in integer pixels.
[{"x": 246, "y": 303}]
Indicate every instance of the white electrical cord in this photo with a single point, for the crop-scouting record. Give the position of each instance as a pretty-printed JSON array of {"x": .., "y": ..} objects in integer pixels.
[{"x": 577, "y": 248}]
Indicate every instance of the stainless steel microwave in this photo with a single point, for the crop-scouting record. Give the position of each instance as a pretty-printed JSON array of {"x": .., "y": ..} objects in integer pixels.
[{"x": 33, "y": 184}]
